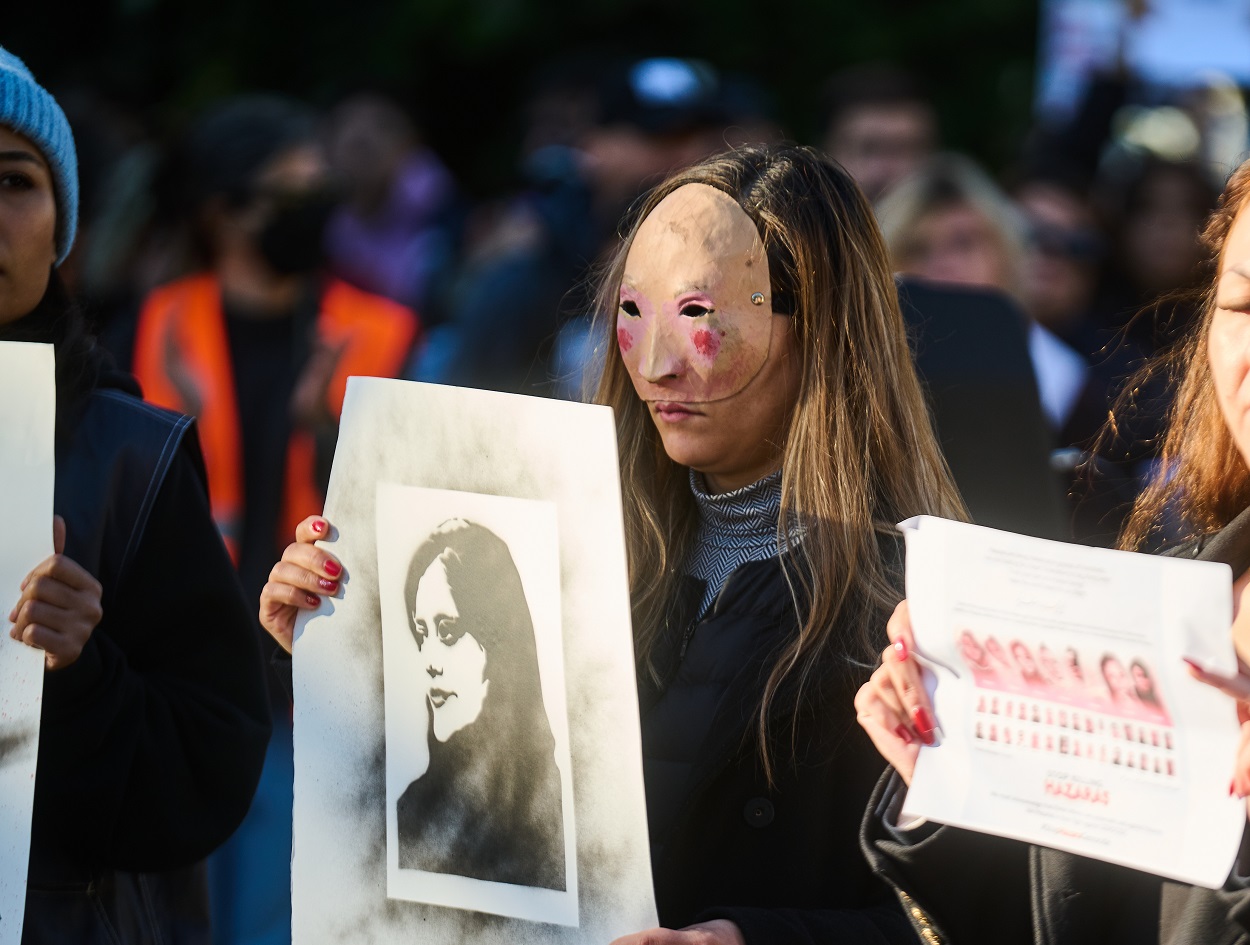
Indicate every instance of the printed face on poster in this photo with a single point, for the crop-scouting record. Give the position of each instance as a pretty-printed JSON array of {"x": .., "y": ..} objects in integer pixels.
[
  {"x": 477, "y": 756},
  {"x": 468, "y": 765}
]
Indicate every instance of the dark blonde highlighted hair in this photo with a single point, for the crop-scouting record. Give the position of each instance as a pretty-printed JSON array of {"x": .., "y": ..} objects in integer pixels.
[{"x": 859, "y": 453}]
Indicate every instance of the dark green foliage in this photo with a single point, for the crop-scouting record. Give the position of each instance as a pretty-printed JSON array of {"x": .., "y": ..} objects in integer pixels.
[{"x": 462, "y": 66}]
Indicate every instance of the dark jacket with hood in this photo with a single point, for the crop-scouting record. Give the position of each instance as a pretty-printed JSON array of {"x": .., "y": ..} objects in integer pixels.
[{"x": 151, "y": 743}]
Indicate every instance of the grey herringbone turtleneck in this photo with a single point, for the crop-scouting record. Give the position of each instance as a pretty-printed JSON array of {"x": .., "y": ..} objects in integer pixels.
[{"x": 734, "y": 528}]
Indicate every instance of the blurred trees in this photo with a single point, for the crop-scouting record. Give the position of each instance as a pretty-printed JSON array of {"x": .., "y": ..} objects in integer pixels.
[{"x": 463, "y": 66}]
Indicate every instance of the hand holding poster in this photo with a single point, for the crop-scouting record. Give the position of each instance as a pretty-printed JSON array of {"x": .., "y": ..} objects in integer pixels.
[
  {"x": 27, "y": 423},
  {"x": 1067, "y": 717},
  {"x": 466, "y": 724}
]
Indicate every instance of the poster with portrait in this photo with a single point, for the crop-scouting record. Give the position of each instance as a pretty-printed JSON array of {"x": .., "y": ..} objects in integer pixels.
[
  {"x": 27, "y": 424},
  {"x": 467, "y": 756},
  {"x": 1067, "y": 716}
]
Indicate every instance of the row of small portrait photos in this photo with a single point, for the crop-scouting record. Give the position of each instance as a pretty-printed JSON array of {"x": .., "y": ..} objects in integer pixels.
[
  {"x": 1033, "y": 712},
  {"x": 1097, "y": 750}
]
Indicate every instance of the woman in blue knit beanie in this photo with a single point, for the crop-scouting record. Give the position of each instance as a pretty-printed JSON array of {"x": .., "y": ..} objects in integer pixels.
[{"x": 154, "y": 714}]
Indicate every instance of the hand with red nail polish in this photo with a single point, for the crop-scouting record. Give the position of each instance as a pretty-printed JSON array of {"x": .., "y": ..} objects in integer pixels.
[
  {"x": 299, "y": 581},
  {"x": 1237, "y": 687},
  {"x": 893, "y": 706}
]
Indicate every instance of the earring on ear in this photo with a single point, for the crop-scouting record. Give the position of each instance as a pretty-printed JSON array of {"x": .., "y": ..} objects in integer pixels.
[{"x": 757, "y": 298}]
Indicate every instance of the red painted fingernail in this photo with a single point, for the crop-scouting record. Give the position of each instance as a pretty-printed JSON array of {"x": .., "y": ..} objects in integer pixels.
[
  {"x": 1191, "y": 664},
  {"x": 333, "y": 568},
  {"x": 924, "y": 723},
  {"x": 1232, "y": 787},
  {"x": 326, "y": 584},
  {"x": 319, "y": 526},
  {"x": 313, "y": 600},
  {"x": 900, "y": 650},
  {"x": 902, "y": 732}
]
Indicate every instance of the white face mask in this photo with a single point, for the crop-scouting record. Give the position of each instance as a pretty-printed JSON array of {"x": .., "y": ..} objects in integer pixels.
[{"x": 695, "y": 316}]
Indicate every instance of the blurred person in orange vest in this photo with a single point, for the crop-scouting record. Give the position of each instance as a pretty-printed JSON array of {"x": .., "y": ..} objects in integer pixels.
[{"x": 258, "y": 345}]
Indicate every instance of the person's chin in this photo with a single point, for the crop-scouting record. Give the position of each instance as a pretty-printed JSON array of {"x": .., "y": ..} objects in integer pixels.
[{"x": 688, "y": 446}]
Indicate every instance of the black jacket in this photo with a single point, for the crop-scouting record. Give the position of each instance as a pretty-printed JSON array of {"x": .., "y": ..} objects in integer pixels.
[
  {"x": 965, "y": 887},
  {"x": 151, "y": 744},
  {"x": 782, "y": 861}
]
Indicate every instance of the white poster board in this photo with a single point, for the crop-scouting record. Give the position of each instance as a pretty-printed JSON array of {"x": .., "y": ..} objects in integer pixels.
[
  {"x": 1067, "y": 717},
  {"x": 27, "y": 428},
  {"x": 467, "y": 754}
]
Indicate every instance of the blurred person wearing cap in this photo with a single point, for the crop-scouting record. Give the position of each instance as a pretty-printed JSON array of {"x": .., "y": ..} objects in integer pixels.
[
  {"x": 154, "y": 713},
  {"x": 635, "y": 122},
  {"x": 878, "y": 125},
  {"x": 258, "y": 346}
]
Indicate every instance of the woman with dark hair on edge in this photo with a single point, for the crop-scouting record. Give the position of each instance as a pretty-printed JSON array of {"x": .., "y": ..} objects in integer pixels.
[
  {"x": 1144, "y": 685},
  {"x": 492, "y": 756},
  {"x": 771, "y": 431},
  {"x": 1024, "y": 893},
  {"x": 154, "y": 718}
]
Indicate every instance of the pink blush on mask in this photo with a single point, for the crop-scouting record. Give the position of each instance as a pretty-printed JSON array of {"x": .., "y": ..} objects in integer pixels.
[
  {"x": 706, "y": 342},
  {"x": 624, "y": 339}
]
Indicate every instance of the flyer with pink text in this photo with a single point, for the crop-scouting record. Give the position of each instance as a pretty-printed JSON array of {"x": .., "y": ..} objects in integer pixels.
[{"x": 1066, "y": 715}]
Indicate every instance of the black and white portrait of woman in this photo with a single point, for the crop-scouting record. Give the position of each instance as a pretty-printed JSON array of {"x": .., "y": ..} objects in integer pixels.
[{"x": 472, "y": 760}]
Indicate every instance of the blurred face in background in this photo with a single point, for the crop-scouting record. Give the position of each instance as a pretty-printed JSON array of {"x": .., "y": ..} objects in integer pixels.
[
  {"x": 282, "y": 218},
  {"x": 954, "y": 243},
  {"x": 368, "y": 141},
  {"x": 624, "y": 160},
  {"x": 1061, "y": 271},
  {"x": 27, "y": 226},
  {"x": 879, "y": 145},
  {"x": 1159, "y": 237}
]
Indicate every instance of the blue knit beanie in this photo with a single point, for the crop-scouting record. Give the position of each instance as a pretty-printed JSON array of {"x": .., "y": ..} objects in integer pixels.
[{"x": 27, "y": 108}]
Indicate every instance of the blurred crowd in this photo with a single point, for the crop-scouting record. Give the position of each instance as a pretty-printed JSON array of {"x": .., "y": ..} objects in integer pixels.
[
  {"x": 1093, "y": 224},
  {"x": 242, "y": 268}
]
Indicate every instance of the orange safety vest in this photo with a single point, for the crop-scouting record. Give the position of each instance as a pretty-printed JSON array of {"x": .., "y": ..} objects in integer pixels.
[{"x": 182, "y": 360}]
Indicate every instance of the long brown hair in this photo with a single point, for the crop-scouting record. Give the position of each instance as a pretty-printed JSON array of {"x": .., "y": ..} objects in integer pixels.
[
  {"x": 1201, "y": 482},
  {"x": 860, "y": 452}
]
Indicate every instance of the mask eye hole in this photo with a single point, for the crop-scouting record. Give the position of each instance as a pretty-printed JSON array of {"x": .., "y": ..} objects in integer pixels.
[
  {"x": 630, "y": 308},
  {"x": 695, "y": 310}
]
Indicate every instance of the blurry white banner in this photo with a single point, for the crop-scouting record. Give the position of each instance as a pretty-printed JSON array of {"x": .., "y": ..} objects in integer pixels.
[{"x": 27, "y": 427}]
